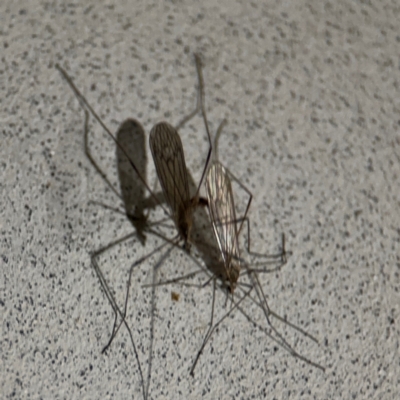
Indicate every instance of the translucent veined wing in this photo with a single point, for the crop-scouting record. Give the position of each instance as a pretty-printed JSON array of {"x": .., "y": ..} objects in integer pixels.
[
  {"x": 167, "y": 151},
  {"x": 223, "y": 218}
]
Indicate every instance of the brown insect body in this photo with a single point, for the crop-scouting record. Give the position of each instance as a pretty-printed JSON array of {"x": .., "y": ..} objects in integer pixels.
[{"x": 169, "y": 159}]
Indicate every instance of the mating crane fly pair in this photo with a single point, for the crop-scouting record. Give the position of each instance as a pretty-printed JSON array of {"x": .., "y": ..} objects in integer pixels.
[
  {"x": 169, "y": 160},
  {"x": 167, "y": 150}
]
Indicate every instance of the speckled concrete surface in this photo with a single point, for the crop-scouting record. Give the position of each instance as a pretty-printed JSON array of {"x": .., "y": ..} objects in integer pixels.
[{"x": 311, "y": 93}]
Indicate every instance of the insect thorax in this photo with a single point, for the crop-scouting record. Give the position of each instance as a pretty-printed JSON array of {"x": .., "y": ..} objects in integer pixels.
[
  {"x": 232, "y": 276},
  {"x": 184, "y": 224}
]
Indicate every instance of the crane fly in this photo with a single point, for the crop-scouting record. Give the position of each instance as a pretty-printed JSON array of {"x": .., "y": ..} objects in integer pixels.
[
  {"x": 167, "y": 150},
  {"x": 221, "y": 206},
  {"x": 228, "y": 268},
  {"x": 169, "y": 159},
  {"x": 138, "y": 219},
  {"x": 222, "y": 211},
  {"x": 176, "y": 192}
]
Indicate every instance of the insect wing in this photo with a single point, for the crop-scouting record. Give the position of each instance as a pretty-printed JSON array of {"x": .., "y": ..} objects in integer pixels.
[
  {"x": 167, "y": 150},
  {"x": 222, "y": 212}
]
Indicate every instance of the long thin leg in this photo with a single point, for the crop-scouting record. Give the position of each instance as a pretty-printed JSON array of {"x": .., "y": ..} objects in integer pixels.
[
  {"x": 244, "y": 218},
  {"x": 280, "y": 340},
  {"x": 278, "y": 317},
  {"x": 176, "y": 280},
  {"x": 99, "y": 273},
  {"x": 282, "y": 344},
  {"x": 199, "y": 106},
  {"x": 91, "y": 159},
  {"x": 117, "y": 310},
  {"x": 213, "y": 327},
  {"x": 123, "y": 316},
  {"x": 267, "y": 313},
  {"x": 270, "y": 258},
  {"x": 207, "y": 335}
]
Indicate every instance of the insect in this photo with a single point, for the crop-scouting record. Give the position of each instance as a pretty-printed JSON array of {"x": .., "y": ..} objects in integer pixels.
[
  {"x": 167, "y": 150},
  {"x": 221, "y": 256},
  {"x": 230, "y": 266},
  {"x": 169, "y": 166},
  {"x": 169, "y": 159},
  {"x": 139, "y": 218},
  {"x": 224, "y": 223}
]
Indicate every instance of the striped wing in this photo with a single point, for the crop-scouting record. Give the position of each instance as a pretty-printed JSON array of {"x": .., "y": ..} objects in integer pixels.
[
  {"x": 167, "y": 150},
  {"x": 222, "y": 213}
]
